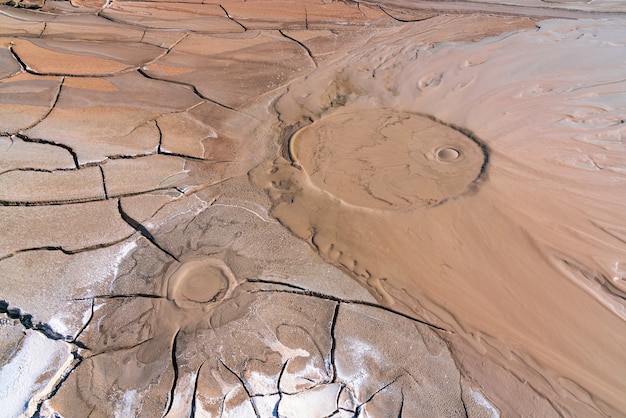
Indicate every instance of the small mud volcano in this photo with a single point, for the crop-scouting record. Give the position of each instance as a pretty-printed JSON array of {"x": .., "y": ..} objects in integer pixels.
[
  {"x": 448, "y": 154},
  {"x": 195, "y": 283},
  {"x": 388, "y": 160}
]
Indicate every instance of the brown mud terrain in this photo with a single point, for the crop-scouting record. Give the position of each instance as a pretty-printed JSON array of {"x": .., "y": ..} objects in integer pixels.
[{"x": 280, "y": 208}]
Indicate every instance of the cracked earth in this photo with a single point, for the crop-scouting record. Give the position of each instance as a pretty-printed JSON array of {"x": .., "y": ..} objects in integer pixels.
[{"x": 279, "y": 208}]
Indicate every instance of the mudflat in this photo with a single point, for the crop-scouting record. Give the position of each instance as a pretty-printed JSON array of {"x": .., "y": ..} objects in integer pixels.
[{"x": 312, "y": 209}]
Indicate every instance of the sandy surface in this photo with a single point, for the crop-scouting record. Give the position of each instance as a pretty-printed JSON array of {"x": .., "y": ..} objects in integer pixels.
[{"x": 312, "y": 209}]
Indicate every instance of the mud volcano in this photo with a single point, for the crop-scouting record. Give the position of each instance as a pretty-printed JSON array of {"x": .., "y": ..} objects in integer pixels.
[
  {"x": 196, "y": 283},
  {"x": 388, "y": 160}
]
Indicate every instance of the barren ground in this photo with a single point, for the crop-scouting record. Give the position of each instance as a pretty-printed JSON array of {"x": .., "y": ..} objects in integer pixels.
[{"x": 312, "y": 208}]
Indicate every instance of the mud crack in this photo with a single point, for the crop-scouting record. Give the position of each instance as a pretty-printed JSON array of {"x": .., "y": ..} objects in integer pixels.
[{"x": 142, "y": 230}]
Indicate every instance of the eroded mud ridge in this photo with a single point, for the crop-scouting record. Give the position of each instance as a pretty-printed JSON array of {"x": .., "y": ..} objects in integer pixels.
[{"x": 312, "y": 209}]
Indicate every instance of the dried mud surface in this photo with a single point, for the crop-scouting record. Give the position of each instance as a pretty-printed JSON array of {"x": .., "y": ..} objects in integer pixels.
[{"x": 312, "y": 209}]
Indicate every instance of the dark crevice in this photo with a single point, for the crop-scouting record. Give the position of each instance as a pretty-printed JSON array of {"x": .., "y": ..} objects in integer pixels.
[
  {"x": 19, "y": 59},
  {"x": 403, "y": 20},
  {"x": 92, "y": 410},
  {"x": 29, "y": 169},
  {"x": 338, "y": 409},
  {"x": 353, "y": 302},
  {"x": 90, "y": 199},
  {"x": 52, "y": 105},
  {"x": 175, "y": 379},
  {"x": 34, "y": 72},
  {"x": 56, "y": 98},
  {"x": 166, "y": 50},
  {"x": 26, "y": 320},
  {"x": 332, "y": 414},
  {"x": 191, "y": 86},
  {"x": 306, "y": 48},
  {"x": 306, "y": 18},
  {"x": 169, "y": 48},
  {"x": 159, "y": 151},
  {"x": 292, "y": 286},
  {"x": 233, "y": 19},
  {"x": 264, "y": 395},
  {"x": 85, "y": 325},
  {"x": 401, "y": 403},
  {"x": 38, "y": 170},
  {"x": 63, "y": 250},
  {"x": 121, "y": 22},
  {"x": 49, "y": 202},
  {"x": 98, "y": 199},
  {"x": 245, "y": 388},
  {"x": 342, "y": 386},
  {"x": 69, "y": 149},
  {"x": 75, "y": 363},
  {"x": 194, "y": 395},
  {"x": 45, "y": 25},
  {"x": 280, "y": 392},
  {"x": 104, "y": 183},
  {"x": 333, "y": 343},
  {"x": 359, "y": 408},
  {"x": 130, "y": 156},
  {"x": 97, "y": 75},
  {"x": 142, "y": 230},
  {"x": 156, "y": 124},
  {"x": 7, "y": 77},
  {"x": 462, "y": 400},
  {"x": 185, "y": 156},
  {"x": 122, "y": 296}
]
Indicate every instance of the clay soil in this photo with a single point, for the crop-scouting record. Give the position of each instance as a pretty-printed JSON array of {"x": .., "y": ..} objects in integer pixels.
[{"x": 280, "y": 208}]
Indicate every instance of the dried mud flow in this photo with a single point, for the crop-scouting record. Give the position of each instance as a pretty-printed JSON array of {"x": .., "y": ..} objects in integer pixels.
[{"x": 312, "y": 209}]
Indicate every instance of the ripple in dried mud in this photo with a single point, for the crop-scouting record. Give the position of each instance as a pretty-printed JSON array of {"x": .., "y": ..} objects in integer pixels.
[{"x": 389, "y": 160}]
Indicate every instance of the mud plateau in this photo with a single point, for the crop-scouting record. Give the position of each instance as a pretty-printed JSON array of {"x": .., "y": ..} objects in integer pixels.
[{"x": 312, "y": 208}]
